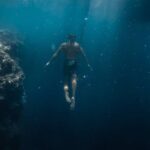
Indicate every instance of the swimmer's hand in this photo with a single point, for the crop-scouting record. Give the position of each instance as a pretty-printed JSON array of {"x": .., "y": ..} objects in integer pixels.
[
  {"x": 89, "y": 66},
  {"x": 47, "y": 64}
]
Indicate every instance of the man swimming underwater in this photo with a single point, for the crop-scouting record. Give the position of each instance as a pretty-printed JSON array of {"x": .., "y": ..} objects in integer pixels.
[{"x": 71, "y": 50}]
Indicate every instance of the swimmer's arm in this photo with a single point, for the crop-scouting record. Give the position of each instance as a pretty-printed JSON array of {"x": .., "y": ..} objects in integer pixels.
[
  {"x": 54, "y": 55},
  {"x": 85, "y": 57}
]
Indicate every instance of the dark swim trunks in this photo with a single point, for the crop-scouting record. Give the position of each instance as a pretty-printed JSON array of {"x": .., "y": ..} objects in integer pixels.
[{"x": 70, "y": 68}]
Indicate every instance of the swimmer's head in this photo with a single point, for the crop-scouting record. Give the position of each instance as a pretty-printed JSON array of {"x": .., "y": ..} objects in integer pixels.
[{"x": 71, "y": 37}]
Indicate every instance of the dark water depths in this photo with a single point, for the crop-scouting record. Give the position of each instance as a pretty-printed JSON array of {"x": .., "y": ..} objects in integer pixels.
[{"x": 113, "y": 102}]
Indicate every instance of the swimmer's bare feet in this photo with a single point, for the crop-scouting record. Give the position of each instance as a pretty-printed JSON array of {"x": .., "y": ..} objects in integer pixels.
[
  {"x": 68, "y": 100},
  {"x": 72, "y": 105}
]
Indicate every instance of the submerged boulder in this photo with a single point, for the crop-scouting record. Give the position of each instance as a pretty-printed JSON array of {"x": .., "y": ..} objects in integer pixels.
[{"x": 11, "y": 91}]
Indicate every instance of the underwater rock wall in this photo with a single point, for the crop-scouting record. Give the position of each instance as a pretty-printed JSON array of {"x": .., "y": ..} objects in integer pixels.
[{"x": 11, "y": 92}]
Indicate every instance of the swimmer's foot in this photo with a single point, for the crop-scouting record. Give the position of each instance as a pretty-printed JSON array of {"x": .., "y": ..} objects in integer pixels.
[
  {"x": 68, "y": 100},
  {"x": 72, "y": 105}
]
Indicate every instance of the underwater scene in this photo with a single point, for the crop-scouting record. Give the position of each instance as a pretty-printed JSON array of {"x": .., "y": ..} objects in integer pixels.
[{"x": 74, "y": 75}]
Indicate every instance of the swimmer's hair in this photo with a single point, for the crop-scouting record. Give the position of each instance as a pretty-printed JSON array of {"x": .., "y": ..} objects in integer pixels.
[{"x": 71, "y": 36}]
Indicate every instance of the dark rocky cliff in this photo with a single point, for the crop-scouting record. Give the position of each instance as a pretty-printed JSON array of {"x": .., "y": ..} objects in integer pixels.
[{"x": 11, "y": 92}]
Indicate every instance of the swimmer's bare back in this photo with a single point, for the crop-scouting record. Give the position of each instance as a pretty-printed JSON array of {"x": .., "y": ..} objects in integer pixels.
[{"x": 71, "y": 50}]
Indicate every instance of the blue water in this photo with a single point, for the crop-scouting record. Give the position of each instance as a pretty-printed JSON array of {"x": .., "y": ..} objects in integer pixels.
[{"x": 113, "y": 102}]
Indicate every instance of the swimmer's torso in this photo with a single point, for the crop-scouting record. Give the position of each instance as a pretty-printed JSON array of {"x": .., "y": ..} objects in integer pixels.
[{"x": 71, "y": 50}]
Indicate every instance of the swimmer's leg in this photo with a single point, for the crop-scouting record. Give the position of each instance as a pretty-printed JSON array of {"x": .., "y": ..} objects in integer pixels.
[
  {"x": 74, "y": 86},
  {"x": 66, "y": 91}
]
